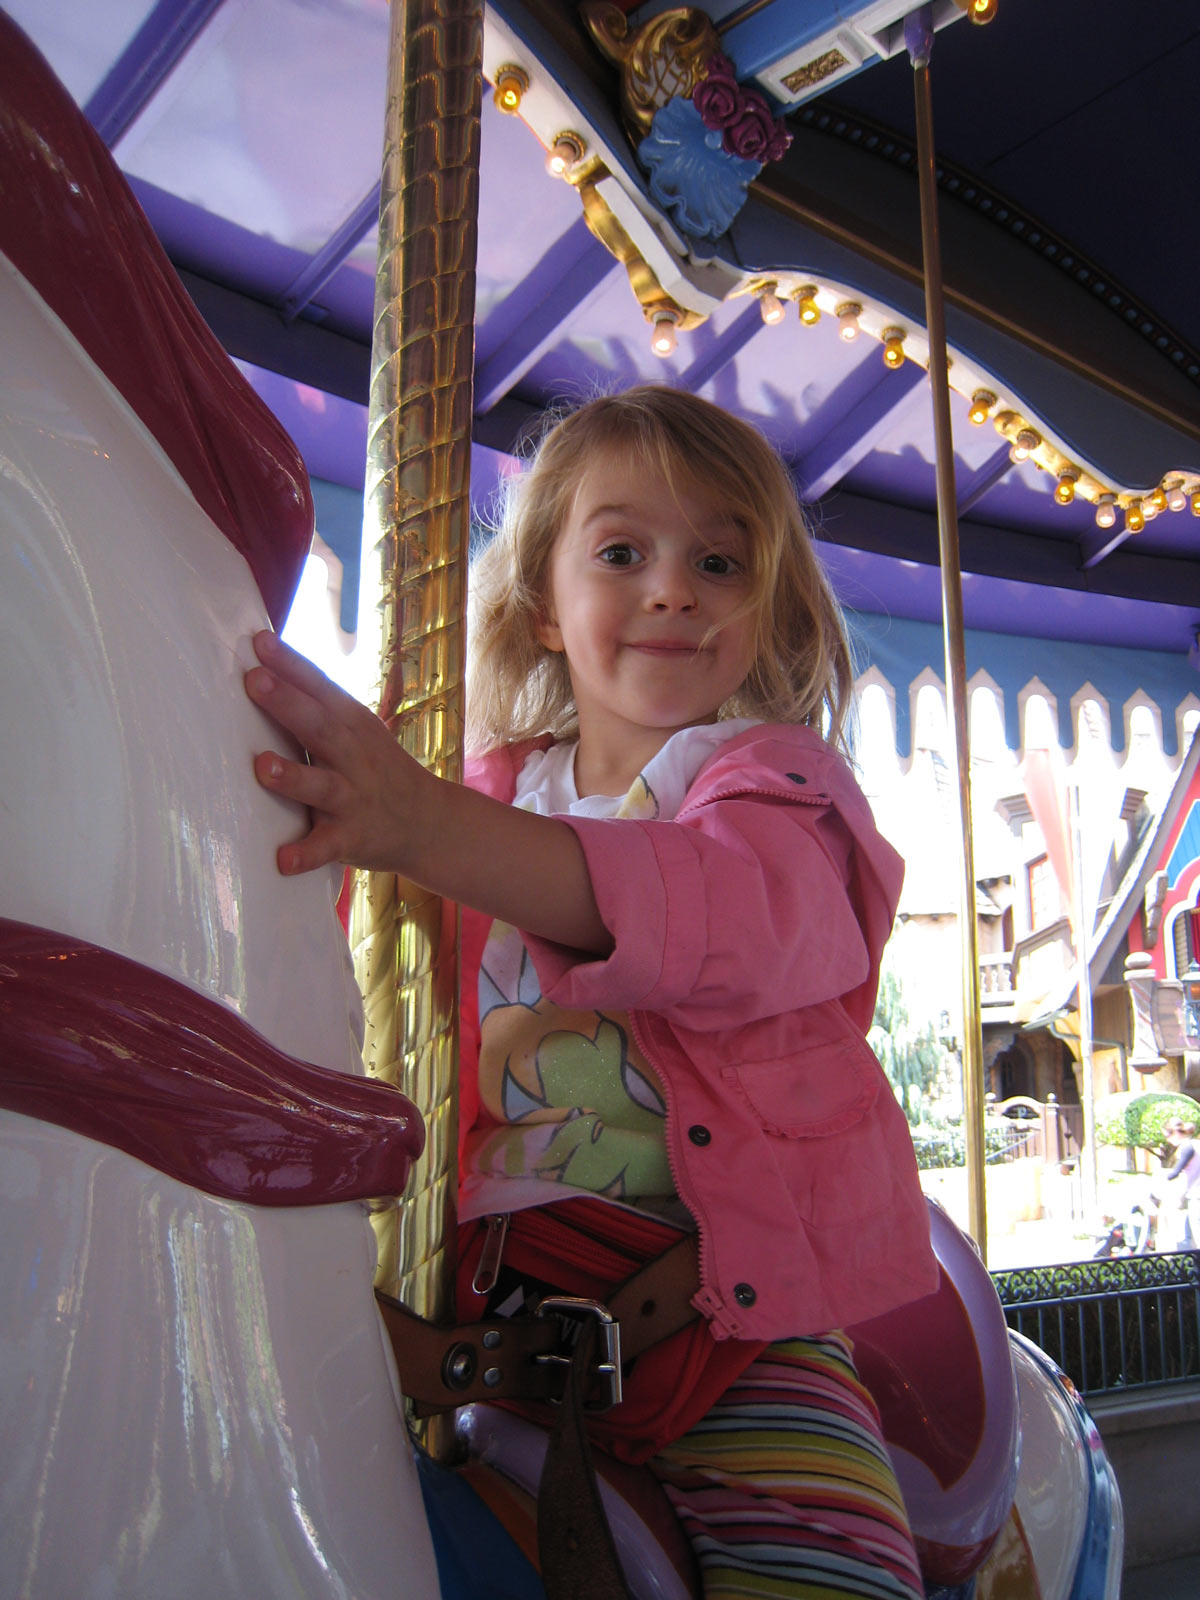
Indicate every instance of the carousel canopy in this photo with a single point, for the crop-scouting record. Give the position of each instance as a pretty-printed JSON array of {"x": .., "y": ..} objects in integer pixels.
[{"x": 775, "y": 257}]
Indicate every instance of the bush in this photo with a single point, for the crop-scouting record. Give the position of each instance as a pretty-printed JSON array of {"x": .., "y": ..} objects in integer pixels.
[
  {"x": 1139, "y": 1118},
  {"x": 944, "y": 1144}
]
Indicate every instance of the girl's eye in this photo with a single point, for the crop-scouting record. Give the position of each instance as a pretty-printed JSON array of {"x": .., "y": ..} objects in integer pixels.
[
  {"x": 618, "y": 555},
  {"x": 718, "y": 565}
]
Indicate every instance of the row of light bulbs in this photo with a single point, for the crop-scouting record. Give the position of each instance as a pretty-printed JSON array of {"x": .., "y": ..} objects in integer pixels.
[
  {"x": 665, "y": 321},
  {"x": 1170, "y": 495},
  {"x": 568, "y": 149}
]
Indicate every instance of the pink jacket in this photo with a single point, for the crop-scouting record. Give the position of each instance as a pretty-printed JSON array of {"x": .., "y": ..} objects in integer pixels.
[{"x": 748, "y": 935}]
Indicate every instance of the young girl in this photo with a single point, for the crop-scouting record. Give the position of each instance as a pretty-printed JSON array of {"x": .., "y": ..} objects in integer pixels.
[{"x": 675, "y": 901}]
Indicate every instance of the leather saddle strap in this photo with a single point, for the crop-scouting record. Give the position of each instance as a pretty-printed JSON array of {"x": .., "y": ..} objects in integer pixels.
[
  {"x": 442, "y": 1368},
  {"x": 575, "y": 1544},
  {"x": 657, "y": 1300}
]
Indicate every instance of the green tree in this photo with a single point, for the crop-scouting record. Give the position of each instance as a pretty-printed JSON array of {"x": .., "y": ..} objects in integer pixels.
[
  {"x": 909, "y": 1052},
  {"x": 1138, "y": 1118}
]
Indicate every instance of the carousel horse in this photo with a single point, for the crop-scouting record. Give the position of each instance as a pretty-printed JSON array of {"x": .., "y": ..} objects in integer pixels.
[{"x": 197, "y": 1396}]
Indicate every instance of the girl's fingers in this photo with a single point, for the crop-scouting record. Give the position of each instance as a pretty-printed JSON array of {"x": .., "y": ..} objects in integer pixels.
[
  {"x": 316, "y": 849},
  {"x": 319, "y": 726},
  {"x": 315, "y": 787},
  {"x": 287, "y": 663}
]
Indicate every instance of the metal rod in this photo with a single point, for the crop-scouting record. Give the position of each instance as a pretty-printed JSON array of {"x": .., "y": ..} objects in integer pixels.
[
  {"x": 1082, "y": 919},
  {"x": 415, "y": 547},
  {"x": 952, "y": 627}
]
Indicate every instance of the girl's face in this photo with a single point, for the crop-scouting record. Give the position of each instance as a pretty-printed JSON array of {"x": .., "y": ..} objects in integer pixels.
[{"x": 644, "y": 581}]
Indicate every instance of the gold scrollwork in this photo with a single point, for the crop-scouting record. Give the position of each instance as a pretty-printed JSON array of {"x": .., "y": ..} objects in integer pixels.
[
  {"x": 660, "y": 61},
  {"x": 815, "y": 71},
  {"x": 651, "y": 295}
]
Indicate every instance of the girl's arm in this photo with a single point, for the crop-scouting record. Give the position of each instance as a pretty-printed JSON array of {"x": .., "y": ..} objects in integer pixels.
[{"x": 373, "y": 806}]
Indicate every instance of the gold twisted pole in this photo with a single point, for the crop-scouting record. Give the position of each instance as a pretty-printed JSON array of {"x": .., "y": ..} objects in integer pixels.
[{"x": 417, "y": 520}]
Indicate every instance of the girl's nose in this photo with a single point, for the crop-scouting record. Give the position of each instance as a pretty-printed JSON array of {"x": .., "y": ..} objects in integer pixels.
[{"x": 674, "y": 587}]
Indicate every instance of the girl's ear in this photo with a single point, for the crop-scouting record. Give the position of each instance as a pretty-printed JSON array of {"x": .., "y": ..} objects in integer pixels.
[{"x": 548, "y": 631}]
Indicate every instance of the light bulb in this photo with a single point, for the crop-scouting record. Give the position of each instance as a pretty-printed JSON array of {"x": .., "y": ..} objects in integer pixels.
[
  {"x": 982, "y": 402},
  {"x": 1196, "y": 502},
  {"x": 806, "y": 304},
  {"x": 1024, "y": 445},
  {"x": 1064, "y": 489},
  {"x": 771, "y": 306},
  {"x": 1106, "y": 511},
  {"x": 893, "y": 347},
  {"x": 1158, "y": 499},
  {"x": 848, "y": 314},
  {"x": 983, "y": 10},
  {"x": 1176, "y": 499},
  {"x": 1149, "y": 509},
  {"x": 664, "y": 338},
  {"x": 1135, "y": 519},
  {"x": 564, "y": 153},
  {"x": 511, "y": 84}
]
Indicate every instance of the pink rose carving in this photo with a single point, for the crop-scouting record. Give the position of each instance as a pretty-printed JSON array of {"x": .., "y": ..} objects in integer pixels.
[
  {"x": 778, "y": 146},
  {"x": 720, "y": 66},
  {"x": 741, "y": 115},
  {"x": 717, "y": 97},
  {"x": 751, "y": 134}
]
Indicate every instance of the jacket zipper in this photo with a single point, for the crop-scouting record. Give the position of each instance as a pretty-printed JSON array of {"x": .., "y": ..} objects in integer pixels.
[
  {"x": 701, "y": 1232},
  {"x": 487, "y": 1268}
]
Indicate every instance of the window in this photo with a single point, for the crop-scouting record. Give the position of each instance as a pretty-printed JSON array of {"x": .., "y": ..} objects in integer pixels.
[
  {"x": 1043, "y": 893},
  {"x": 1186, "y": 937}
]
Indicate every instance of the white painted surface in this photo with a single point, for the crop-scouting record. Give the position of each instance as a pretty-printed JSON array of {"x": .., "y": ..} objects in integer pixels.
[{"x": 195, "y": 1396}]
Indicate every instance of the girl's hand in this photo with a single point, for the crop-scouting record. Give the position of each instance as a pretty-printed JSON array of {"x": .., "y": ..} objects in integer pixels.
[
  {"x": 373, "y": 806},
  {"x": 360, "y": 786}
]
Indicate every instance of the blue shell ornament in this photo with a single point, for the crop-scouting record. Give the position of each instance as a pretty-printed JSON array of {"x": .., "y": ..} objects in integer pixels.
[{"x": 691, "y": 175}]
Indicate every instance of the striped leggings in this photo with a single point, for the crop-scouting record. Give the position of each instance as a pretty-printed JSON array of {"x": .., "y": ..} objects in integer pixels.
[{"x": 785, "y": 1489}]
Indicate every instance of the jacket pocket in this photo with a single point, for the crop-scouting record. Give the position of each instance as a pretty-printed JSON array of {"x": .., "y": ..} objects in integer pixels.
[{"x": 810, "y": 1094}]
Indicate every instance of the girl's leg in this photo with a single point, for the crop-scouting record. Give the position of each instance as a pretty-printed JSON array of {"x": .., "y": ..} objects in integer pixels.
[{"x": 785, "y": 1488}]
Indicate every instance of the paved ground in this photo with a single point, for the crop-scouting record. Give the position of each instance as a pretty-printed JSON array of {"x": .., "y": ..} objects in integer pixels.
[{"x": 1072, "y": 1234}]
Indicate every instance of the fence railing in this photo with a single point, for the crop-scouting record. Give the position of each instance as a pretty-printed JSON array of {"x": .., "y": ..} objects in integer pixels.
[
  {"x": 1111, "y": 1325},
  {"x": 1046, "y": 1130},
  {"x": 996, "y": 979}
]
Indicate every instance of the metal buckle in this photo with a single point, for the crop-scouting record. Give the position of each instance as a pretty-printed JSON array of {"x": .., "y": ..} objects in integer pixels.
[{"x": 608, "y": 1333}]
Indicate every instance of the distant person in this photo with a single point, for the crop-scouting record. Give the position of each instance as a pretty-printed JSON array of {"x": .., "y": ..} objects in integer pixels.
[{"x": 1182, "y": 1222}]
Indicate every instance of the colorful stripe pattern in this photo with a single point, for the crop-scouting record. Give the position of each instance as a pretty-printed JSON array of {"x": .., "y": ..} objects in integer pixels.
[{"x": 785, "y": 1489}]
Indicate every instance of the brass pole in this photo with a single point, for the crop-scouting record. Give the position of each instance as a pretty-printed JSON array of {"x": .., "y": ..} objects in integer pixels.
[
  {"x": 416, "y": 529},
  {"x": 952, "y": 627}
]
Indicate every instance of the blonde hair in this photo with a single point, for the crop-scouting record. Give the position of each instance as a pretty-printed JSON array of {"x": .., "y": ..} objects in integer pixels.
[{"x": 802, "y": 672}]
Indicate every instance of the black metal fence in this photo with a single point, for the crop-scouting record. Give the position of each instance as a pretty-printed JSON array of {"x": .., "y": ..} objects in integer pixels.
[{"x": 1114, "y": 1324}]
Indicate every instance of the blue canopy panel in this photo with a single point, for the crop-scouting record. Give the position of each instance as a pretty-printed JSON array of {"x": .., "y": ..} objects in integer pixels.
[{"x": 903, "y": 650}]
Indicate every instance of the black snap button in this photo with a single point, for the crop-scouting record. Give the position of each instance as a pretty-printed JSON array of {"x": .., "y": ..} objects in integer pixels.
[
  {"x": 744, "y": 1294},
  {"x": 797, "y": 777},
  {"x": 699, "y": 1134}
]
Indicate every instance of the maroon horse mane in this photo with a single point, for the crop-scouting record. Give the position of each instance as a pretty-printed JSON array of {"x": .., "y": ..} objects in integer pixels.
[{"x": 70, "y": 225}]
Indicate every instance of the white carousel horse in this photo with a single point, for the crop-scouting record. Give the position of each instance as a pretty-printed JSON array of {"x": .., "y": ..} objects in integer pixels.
[
  {"x": 196, "y": 1394},
  {"x": 196, "y": 1397}
]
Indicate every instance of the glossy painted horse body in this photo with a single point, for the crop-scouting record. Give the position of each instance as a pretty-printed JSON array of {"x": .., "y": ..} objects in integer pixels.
[{"x": 195, "y": 1395}]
